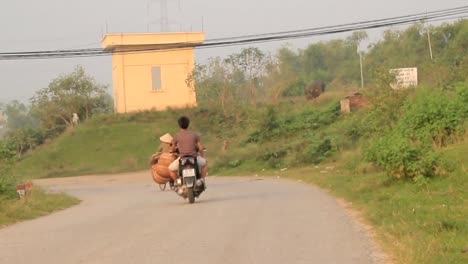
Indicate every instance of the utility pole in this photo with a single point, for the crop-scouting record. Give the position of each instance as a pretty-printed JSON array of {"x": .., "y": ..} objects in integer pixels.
[
  {"x": 429, "y": 39},
  {"x": 429, "y": 43},
  {"x": 362, "y": 74}
]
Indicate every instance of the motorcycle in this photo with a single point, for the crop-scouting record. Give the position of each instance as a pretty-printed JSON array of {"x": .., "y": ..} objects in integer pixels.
[{"x": 189, "y": 183}]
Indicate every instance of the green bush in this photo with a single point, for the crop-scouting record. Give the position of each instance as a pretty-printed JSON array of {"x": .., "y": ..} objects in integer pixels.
[
  {"x": 384, "y": 113},
  {"x": 316, "y": 150},
  {"x": 421, "y": 122},
  {"x": 7, "y": 182},
  {"x": 462, "y": 98},
  {"x": 269, "y": 127},
  {"x": 275, "y": 157},
  {"x": 22, "y": 140},
  {"x": 7, "y": 188},
  {"x": 401, "y": 158},
  {"x": 296, "y": 89},
  {"x": 225, "y": 162},
  {"x": 434, "y": 116},
  {"x": 273, "y": 126},
  {"x": 7, "y": 151}
]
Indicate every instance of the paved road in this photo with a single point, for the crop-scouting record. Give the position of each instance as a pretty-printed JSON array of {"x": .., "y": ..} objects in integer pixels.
[{"x": 127, "y": 219}]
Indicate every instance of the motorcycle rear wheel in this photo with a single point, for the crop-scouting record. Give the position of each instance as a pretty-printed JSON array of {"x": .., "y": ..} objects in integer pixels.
[{"x": 190, "y": 195}]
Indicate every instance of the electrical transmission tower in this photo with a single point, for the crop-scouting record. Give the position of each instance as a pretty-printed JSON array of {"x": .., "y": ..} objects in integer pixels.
[{"x": 164, "y": 14}]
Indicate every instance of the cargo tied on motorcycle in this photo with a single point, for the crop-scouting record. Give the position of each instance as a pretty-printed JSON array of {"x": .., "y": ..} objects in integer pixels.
[
  {"x": 189, "y": 184},
  {"x": 160, "y": 170}
]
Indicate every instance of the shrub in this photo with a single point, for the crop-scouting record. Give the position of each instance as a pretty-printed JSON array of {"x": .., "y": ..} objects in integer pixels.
[
  {"x": 234, "y": 163},
  {"x": 421, "y": 122},
  {"x": 433, "y": 116},
  {"x": 462, "y": 97},
  {"x": 268, "y": 128},
  {"x": 384, "y": 113},
  {"x": 7, "y": 187},
  {"x": 316, "y": 151},
  {"x": 7, "y": 151},
  {"x": 401, "y": 158},
  {"x": 296, "y": 89},
  {"x": 310, "y": 119},
  {"x": 7, "y": 182},
  {"x": 21, "y": 140},
  {"x": 274, "y": 157}
]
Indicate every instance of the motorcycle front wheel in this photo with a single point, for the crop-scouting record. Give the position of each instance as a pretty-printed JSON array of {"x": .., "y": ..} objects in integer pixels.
[{"x": 190, "y": 195}]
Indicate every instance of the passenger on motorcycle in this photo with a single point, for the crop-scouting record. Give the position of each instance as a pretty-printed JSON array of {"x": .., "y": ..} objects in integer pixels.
[
  {"x": 188, "y": 144},
  {"x": 164, "y": 147}
]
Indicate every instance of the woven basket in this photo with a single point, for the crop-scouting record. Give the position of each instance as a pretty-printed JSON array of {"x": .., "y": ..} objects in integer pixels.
[
  {"x": 162, "y": 167},
  {"x": 156, "y": 177}
]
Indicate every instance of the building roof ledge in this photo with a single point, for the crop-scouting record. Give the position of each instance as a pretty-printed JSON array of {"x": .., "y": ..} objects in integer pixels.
[{"x": 115, "y": 40}]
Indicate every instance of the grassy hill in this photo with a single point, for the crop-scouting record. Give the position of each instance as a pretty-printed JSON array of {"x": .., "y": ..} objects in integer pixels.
[
  {"x": 106, "y": 144},
  {"x": 120, "y": 143},
  {"x": 418, "y": 220}
]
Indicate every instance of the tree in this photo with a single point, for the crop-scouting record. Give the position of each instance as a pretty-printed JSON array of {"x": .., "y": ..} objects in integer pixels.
[
  {"x": 356, "y": 38},
  {"x": 314, "y": 63},
  {"x": 249, "y": 66},
  {"x": 24, "y": 139},
  {"x": 281, "y": 73},
  {"x": 226, "y": 82},
  {"x": 23, "y": 131},
  {"x": 334, "y": 60},
  {"x": 212, "y": 83},
  {"x": 19, "y": 116},
  {"x": 70, "y": 93},
  {"x": 410, "y": 48}
]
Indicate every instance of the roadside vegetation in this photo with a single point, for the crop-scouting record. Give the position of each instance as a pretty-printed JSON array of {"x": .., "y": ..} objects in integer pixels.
[
  {"x": 36, "y": 203},
  {"x": 39, "y": 203},
  {"x": 401, "y": 159},
  {"x": 49, "y": 114}
]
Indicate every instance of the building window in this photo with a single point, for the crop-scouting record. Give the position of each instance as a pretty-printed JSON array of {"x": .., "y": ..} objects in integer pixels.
[{"x": 156, "y": 78}]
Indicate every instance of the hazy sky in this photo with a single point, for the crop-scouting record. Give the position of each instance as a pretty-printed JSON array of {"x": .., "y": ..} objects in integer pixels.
[{"x": 63, "y": 24}]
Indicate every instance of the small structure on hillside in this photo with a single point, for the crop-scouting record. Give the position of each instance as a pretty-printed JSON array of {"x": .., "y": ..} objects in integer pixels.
[{"x": 352, "y": 102}]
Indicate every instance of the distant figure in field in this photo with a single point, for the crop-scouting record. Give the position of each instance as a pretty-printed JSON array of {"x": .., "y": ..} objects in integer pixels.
[
  {"x": 75, "y": 119},
  {"x": 314, "y": 89}
]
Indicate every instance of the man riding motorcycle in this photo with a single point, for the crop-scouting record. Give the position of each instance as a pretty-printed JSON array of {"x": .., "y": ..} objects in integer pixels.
[{"x": 188, "y": 144}]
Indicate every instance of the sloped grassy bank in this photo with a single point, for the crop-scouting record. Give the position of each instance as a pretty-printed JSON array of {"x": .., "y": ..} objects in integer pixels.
[{"x": 401, "y": 160}]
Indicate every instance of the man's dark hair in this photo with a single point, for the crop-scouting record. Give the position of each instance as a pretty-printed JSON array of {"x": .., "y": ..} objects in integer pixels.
[{"x": 184, "y": 122}]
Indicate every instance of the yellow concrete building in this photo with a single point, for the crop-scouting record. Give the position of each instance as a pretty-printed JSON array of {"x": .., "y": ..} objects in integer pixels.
[{"x": 145, "y": 79}]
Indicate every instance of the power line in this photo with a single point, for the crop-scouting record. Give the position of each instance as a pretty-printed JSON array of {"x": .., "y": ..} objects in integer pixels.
[
  {"x": 166, "y": 47},
  {"x": 418, "y": 16},
  {"x": 241, "y": 40},
  {"x": 260, "y": 37}
]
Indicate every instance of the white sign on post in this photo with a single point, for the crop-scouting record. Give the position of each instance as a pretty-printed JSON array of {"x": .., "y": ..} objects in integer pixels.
[{"x": 404, "y": 77}]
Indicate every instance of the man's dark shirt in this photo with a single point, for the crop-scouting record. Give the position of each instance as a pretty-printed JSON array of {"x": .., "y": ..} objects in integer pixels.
[{"x": 186, "y": 141}]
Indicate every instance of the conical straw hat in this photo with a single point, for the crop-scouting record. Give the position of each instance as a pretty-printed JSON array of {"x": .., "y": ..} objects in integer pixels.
[{"x": 167, "y": 138}]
